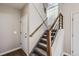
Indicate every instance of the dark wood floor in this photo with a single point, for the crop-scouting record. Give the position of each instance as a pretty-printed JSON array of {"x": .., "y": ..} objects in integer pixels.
[{"x": 19, "y": 52}]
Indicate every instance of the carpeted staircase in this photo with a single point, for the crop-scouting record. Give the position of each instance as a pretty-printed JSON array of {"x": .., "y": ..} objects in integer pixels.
[{"x": 41, "y": 47}]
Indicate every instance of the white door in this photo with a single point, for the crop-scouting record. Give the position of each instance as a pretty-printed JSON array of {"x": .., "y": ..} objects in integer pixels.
[
  {"x": 75, "y": 41},
  {"x": 24, "y": 34}
]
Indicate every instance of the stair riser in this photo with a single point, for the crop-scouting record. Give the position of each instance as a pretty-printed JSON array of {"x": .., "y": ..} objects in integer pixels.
[
  {"x": 54, "y": 30},
  {"x": 43, "y": 41},
  {"x": 44, "y": 37},
  {"x": 52, "y": 34},
  {"x": 34, "y": 55},
  {"x": 52, "y": 38},
  {"x": 42, "y": 47}
]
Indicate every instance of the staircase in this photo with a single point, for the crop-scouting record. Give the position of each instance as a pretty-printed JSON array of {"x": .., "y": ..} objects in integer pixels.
[{"x": 41, "y": 47}]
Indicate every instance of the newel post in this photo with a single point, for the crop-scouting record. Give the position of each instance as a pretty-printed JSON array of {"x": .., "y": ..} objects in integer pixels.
[{"x": 49, "y": 43}]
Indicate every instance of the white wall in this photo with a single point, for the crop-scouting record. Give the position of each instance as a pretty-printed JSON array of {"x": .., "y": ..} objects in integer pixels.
[
  {"x": 9, "y": 28},
  {"x": 57, "y": 47},
  {"x": 67, "y": 9},
  {"x": 34, "y": 21}
]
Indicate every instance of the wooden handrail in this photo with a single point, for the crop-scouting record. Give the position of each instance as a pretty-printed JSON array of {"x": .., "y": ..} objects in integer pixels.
[
  {"x": 38, "y": 28},
  {"x": 55, "y": 21}
]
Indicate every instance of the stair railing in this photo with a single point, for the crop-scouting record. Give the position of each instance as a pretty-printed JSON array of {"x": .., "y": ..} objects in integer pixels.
[{"x": 58, "y": 24}]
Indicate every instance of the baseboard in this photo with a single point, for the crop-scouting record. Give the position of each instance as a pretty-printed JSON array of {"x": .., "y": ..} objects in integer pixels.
[
  {"x": 10, "y": 51},
  {"x": 65, "y": 53}
]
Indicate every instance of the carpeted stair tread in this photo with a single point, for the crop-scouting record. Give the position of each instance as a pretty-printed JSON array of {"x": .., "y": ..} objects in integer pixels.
[
  {"x": 42, "y": 46},
  {"x": 40, "y": 51},
  {"x": 44, "y": 40},
  {"x": 45, "y": 35},
  {"x": 33, "y": 54}
]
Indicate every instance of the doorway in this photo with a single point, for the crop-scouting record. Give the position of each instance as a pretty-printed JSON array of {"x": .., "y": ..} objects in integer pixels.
[{"x": 75, "y": 34}]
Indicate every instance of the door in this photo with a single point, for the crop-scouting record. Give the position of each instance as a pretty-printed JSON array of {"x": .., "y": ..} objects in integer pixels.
[
  {"x": 24, "y": 33},
  {"x": 75, "y": 41}
]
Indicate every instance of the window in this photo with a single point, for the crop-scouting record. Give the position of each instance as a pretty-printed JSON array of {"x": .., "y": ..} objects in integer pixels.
[{"x": 52, "y": 12}]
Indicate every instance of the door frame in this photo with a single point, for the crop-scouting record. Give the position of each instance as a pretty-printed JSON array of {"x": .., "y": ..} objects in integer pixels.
[
  {"x": 27, "y": 33},
  {"x": 72, "y": 31}
]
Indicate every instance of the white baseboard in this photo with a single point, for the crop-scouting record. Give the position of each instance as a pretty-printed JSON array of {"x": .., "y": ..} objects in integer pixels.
[
  {"x": 10, "y": 51},
  {"x": 65, "y": 53}
]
